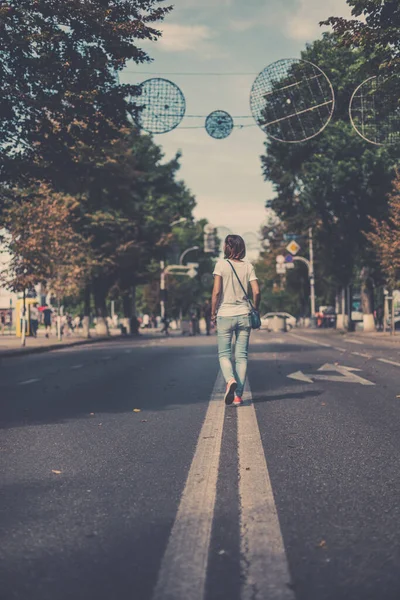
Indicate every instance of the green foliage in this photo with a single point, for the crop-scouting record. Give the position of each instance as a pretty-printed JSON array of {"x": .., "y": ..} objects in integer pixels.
[
  {"x": 334, "y": 182},
  {"x": 377, "y": 33},
  {"x": 59, "y": 65}
]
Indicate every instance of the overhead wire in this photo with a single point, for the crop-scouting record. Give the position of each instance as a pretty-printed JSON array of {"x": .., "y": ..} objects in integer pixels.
[{"x": 188, "y": 74}]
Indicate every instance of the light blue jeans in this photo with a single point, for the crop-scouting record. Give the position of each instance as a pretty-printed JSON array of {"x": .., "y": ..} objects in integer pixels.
[{"x": 226, "y": 327}]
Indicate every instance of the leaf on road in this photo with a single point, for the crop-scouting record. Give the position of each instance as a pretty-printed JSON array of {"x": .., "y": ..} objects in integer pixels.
[
  {"x": 323, "y": 403},
  {"x": 92, "y": 414},
  {"x": 143, "y": 421},
  {"x": 56, "y": 472},
  {"x": 136, "y": 410},
  {"x": 322, "y": 544}
]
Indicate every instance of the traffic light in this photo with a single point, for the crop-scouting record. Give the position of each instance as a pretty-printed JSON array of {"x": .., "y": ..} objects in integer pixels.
[{"x": 210, "y": 245}]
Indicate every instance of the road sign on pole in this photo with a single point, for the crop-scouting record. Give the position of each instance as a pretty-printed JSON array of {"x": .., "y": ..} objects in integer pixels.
[
  {"x": 293, "y": 247},
  {"x": 280, "y": 269},
  {"x": 280, "y": 259}
]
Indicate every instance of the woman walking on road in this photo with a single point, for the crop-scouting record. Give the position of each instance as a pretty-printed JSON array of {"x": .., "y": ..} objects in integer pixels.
[{"x": 231, "y": 311}]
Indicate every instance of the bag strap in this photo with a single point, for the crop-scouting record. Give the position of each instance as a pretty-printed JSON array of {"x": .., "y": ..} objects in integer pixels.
[{"x": 241, "y": 285}]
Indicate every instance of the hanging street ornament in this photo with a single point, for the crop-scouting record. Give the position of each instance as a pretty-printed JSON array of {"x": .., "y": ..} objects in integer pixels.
[
  {"x": 161, "y": 106},
  {"x": 219, "y": 124},
  {"x": 375, "y": 110},
  {"x": 292, "y": 100}
]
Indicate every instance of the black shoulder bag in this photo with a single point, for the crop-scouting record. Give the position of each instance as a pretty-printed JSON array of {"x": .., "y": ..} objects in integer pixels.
[{"x": 254, "y": 314}]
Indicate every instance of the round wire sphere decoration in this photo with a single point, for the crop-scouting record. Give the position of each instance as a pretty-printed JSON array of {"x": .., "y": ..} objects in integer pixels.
[
  {"x": 219, "y": 124},
  {"x": 161, "y": 106},
  {"x": 251, "y": 240},
  {"x": 375, "y": 110},
  {"x": 292, "y": 100}
]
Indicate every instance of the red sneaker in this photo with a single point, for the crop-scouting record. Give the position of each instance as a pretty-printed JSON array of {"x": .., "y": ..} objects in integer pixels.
[
  {"x": 230, "y": 391},
  {"x": 237, "y": 401}
]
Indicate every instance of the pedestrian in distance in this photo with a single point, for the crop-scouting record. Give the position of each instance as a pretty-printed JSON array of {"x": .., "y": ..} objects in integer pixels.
[
  {"x": 34, "y": 319},
  {"x": 47, "y": 312},
  {"x": 379, "y": 317},
  {"x": 2, "y": 323},
  {"x": 165, "y": 322},
  {"x": 193, "y": 321},
  {"x": 230, "y": 310},
  {"x": 207, "y": 316}
]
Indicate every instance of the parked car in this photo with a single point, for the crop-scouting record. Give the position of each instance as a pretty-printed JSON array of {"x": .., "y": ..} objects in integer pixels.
[{"x": 291, "y": 321}]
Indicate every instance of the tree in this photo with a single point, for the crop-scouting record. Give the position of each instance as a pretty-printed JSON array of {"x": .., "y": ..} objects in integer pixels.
[
  {"x": 385, "y": 238},
  {"x": 334, "y": 182},
  {"x": 287, "y": 292},
  {"x": 59, "y": 71},
  {"x": 132, "y": 197},
  {"x": 377, "y": 33},
  {"x": 43, "y": 242}
]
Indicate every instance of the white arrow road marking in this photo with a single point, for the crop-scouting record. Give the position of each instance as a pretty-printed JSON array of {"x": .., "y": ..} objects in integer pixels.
[
  {"x": 299, "y": 376},
  {"x": 329, "y": 367},
  {"x": 265, "y": 570},
  {"x": 347, "y": 375}
]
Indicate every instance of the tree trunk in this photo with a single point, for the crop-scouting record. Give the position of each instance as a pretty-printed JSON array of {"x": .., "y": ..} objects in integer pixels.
[
  {"x": 101, "y": 309},
  {"x": 392, "y": 323},
  {"x": 134, "y": 320},
  {"x": 367, "y": 300},
  {"x": 127, "y": 308},
  {"x": 349, "y": 291},
  {"x": 340, "y": 310},
  {"x": 86, "y": 313}
]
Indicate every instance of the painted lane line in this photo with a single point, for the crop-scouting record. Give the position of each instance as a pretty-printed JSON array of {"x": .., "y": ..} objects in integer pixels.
[
  {"x": 28, "y": 381},
  {"x": 77, "y": 367},
  {"x": 304, "y": 339},
  {"x": 354, "y": 342},
  {"x": 339, "y": 349},
  {"x": 183, "y": 569},
  {"x": 362, "y": 354},
  {"x": 265, "y": 570},
  {"x": 389, "y": 362}
]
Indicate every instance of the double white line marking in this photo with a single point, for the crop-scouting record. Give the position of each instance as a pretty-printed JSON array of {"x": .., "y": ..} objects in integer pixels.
[{"x": 264, "y": 566}]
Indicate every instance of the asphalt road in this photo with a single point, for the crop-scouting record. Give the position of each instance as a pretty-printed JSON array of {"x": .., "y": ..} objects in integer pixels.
[{"x": 294, "y": 496}]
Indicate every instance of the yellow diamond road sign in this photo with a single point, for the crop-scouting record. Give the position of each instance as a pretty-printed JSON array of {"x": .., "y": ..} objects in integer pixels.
[{"x": 293, "y": 248}]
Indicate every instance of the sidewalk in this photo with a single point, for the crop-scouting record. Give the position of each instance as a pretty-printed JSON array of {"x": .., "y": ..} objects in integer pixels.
[
  {"x": 356, "y": 335},
  {"x": 10, "y": 345}
]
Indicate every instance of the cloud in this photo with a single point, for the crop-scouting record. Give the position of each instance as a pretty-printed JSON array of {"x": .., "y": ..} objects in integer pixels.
[
  {"x": 241, "y": 25},
  {"x": 303, "y": 22},
  {"x": 184, "y": 38}
]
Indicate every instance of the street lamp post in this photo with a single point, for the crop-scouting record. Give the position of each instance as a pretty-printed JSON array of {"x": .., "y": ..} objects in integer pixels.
[
  {"x": 162, "y": 289},
  {"x": 312, "y": 277},
  {"x": 193, "y": 248},
  {"x": 310, "y": 267}
]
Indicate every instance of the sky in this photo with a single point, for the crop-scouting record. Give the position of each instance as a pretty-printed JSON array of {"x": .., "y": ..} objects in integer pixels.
[{"x": 227, "y": 36}]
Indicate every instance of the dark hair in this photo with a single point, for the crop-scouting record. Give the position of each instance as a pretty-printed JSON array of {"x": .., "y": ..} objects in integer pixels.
[{"x": 235, "y": 247}]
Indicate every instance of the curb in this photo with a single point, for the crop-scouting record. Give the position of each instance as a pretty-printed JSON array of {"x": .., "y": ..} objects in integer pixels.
[{"x": 59, "y": 346}]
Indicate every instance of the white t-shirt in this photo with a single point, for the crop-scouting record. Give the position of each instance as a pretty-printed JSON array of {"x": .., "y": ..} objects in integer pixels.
[{"x": 233, "y": 302}]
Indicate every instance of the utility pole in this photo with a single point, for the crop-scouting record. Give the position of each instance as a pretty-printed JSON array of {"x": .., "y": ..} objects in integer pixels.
[
  {"x": 312, "y": 276},
  {"x": 162, "y": 289}
]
